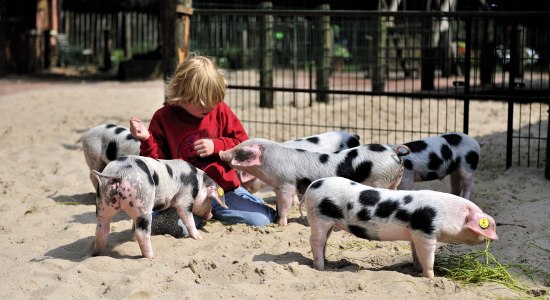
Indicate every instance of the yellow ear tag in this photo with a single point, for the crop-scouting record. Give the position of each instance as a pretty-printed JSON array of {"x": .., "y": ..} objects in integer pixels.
[
  {"x": 220, "y": 191},
  {"x": 484, "y": 223}
]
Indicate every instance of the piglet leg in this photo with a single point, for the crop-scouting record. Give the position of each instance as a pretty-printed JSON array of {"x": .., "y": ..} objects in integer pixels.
[
  {"x": 284, "y": 199},
  {"x": 467, "y": 183},
  {"x": 425, "y": 252},
  {"x": 187, "y": 218},
  {"x": 320, "y": 231},
  {"x": 142, "y": 234},
  {"x": 104, "y": 216}
]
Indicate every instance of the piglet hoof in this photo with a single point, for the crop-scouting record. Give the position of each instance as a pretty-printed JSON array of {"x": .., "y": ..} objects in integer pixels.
[
  {"x": 283, "y": 221},
  {"x": 428, "y": 274},
  {"x": 195, "y": 235}
]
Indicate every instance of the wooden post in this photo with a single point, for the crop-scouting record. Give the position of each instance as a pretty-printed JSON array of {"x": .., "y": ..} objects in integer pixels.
[
  {"x": 266, "y": 74},
  {"x": 184, "y": 11},
  {"x": 323, "y": 56}
]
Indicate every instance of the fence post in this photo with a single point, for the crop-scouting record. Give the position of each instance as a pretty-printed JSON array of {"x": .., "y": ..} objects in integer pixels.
[
  {"x": 266, "y": 74},
  {"x": 323, "y": 56},
  {"x": 428, "y": 53},
  {"x": 168, "y": 28},
  {"x": 182, "y": 28},
  {"x": 379, "y": 56},
  {"x": 547, "y": 167},
  {"x": 106, "y": 49}
]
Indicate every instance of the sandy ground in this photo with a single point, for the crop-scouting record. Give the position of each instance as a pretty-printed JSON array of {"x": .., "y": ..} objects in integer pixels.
[{"x": 48, "y": 221}]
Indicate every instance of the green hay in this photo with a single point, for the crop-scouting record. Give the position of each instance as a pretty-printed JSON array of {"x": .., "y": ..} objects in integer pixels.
[{"x": 476, "y": 268}]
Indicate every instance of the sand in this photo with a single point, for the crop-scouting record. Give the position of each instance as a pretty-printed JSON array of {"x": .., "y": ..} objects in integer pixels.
[{"x": 47, "y": 223}]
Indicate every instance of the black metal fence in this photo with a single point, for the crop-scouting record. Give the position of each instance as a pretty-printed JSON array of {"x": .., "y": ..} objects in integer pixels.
[
  {"x": 389, "y": 76},
  {"x": 101, "y": 39},
  {"x": 295, "y": 73}
]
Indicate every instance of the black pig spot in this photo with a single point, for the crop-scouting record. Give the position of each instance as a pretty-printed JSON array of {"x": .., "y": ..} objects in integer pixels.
[
  {"x": 453, "y": 139},
  {"x": 191, "y": 179},
  {"x": 364, "y": 215},
  {"x": 358, "y": 231},
  {"x": 156, "y": 178},
  {"x": 453, "y": 165},
  {"x": 130, "y": 137},
  {"x": 302, "y": 184},
  {"x": 330, "y": 209},
  {"x": 386, "y": 208},
  {"x": 422, "y": 219},
  {"x": 403, "y": 215},
  {"x": 430, "y": 176},
  {"x": 362, "y": 172},
  {"x": 369, "y": 197},
  {"x": 244, "y": 155},
  {"x": 112, "y": 151},
  {"x": 323, "y": 158},
  {"x": 446, "y": 152},
  {"x": 434, "y": 161},
  {"x": 350, "y": 206},
  {"x": 142, "y": 223},
  {"x": 472, "y": 158},
  {"x": 408, "y": 164},
  {"x": 408, "y": 199},
  {"x": 353, "y": 142},
  {"x": 317, "y": 184},
  {"x": 110, "y": 126},
  {"x": 314, "y": 140},
  {"x": 169, "y": 170},
  {"x": 417, "y": 146},
  {"x": 118, "y": 130},
  {"x": 143, "y": 166},
  {"x": 377, "y": 148}
]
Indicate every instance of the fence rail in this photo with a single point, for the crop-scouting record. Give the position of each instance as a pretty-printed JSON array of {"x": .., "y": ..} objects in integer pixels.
[{"x": 295, "y": 73}]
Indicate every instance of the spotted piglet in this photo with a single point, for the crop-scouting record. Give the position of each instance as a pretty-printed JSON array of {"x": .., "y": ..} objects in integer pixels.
[
  {"x": 326, "y": 142},
  {"x": 290, "y": 171},
  {"x": 435, "y": 157},
  {"x": 138, "y": 185},
  {"x": 105, "y": 143},
  {"x": 421, "y": 217}
]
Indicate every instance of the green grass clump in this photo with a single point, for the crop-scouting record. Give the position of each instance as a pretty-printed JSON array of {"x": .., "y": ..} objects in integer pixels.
[{"x": 476, "y": 268}]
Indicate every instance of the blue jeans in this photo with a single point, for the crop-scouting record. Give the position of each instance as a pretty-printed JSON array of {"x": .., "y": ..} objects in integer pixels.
[{"x": 243, "y": 207}]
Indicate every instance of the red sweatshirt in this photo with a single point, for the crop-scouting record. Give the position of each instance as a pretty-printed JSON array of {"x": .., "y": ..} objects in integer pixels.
[{"x": 173, "y": 132}]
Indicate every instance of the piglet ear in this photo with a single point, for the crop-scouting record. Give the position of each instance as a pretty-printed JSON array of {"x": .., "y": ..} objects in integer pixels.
[
  {"x": 482, "y": 224},
  {"x": 106, "y": 179},
  {"x": 247, "y": 157},
  {"x": 216, "y": 192},
  {"x": 245, "y": 177}
]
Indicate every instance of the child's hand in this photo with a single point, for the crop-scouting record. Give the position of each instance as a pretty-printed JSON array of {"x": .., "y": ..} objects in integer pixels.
[
  {"x": 138, "y": 129},
  {"x": 204, "y": 147}
]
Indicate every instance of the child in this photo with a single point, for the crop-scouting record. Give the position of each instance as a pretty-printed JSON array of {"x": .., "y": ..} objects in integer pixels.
[{"x": 194, "y": 125}]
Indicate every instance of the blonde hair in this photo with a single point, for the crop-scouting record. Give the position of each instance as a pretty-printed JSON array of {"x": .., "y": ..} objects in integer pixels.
[{"x": 196, "y": 81}]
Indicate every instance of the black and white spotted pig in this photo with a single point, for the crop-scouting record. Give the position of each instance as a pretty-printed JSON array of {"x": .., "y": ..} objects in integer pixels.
[
  {"x": 421, "y": 217},
  {"x": 326, "y": 142},
  {"x": 290, "y": 171},
  {"x": 138, "y": 185},
  {"x": 105, "y": 143},
  {"x": 435, "y": 157}
]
